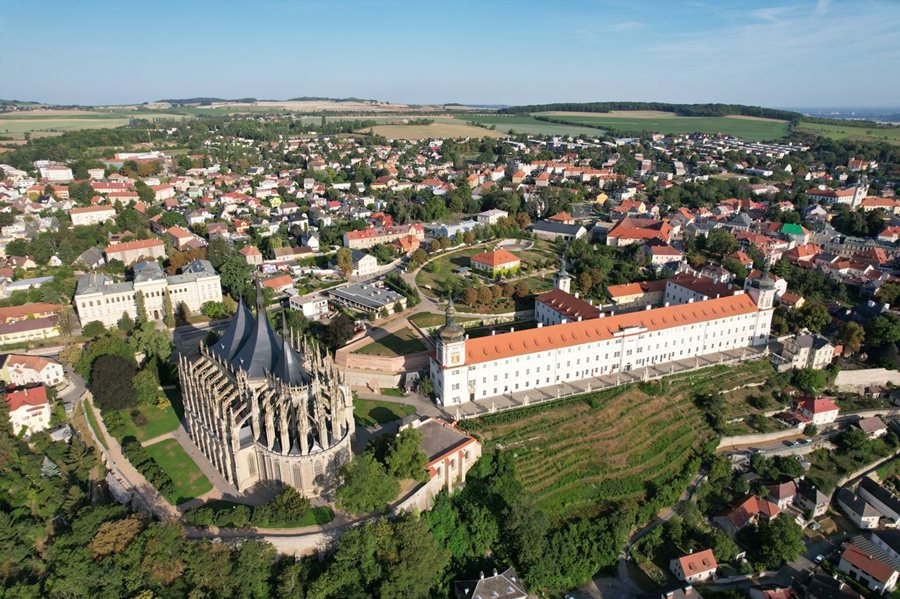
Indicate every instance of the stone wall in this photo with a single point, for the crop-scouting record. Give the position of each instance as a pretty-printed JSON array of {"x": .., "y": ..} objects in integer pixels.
[{"x": 759, "y": 437}]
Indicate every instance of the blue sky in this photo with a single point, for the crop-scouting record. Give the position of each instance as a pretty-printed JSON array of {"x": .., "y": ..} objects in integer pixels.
[{"x": 832, "y": 53}]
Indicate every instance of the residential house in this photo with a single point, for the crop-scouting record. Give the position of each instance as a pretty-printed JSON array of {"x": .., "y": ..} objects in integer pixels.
[
  {"x": 505, "y": 584},
  {"x": 873, "y": 427},
  {"x": 313, "y": 306},
  {"x": 279, "y": 283},
  {"x": 24, "y": 369},
  {"x": 860, "y": 512},
  {"x": 808, "y": 350},
  {"x": 867, "y": 563},
  {"x": 491, "y": 217},
  {"x": 881, "y": 499},
  {"x": 694, "y": 567},
  {"x": 645, "y": 293},
  {"x": 818, "y": 410},
  {"x": 783, "y": 495},
  {"x": 252, "y": 255},
  {"x": 810, "y": 499},
  {"x": 92, "y": 215},
  {"x": 750, "y": 511},
  {"x": 29, "y": 408},
  {"x": 546, "y": 229},
  {"x": 129, "y": 252},
  {"x": 364, "y": 264}
]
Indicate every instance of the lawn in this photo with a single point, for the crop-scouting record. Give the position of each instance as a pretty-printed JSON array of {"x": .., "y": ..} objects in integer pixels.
[
  {"x": 593, "y": 452},
  {"x": 404, "y": 341},
  {"x": 670, "y": 123},
  {"x": 189, "y": 481},
  {"x": 145, "y": 422},
  {"x": 369, "y": 412},
  {"x": 434, "y": 274},
  {"x": 852, "y": 132},
  {"x": 92, "y": 422},
  {"x": 529, "y": 125},
  {"x": 427, "y": 320}
]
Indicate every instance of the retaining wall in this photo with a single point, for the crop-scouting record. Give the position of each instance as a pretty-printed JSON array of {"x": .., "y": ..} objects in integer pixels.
[{"x": 759, "y": 437}]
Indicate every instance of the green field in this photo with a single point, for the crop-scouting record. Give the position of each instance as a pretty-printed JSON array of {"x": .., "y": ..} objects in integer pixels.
[
  {"x": 745, "y": 128},
  {"x": 189, "y": 481},
  {"x": 529, "y": 125},
  {"x": 16, "y": 125},
  {"x": 369, "y": 412},
  {"x": 852, "y": 132},
  {"x": 404, "y": 341},
  {"x": 586, "y": 454}
]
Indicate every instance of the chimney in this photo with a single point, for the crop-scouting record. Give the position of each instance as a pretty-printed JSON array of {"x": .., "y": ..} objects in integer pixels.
[
  {"x": 495, "y": 571},
  {"x": 540, "y": 325},
  {"x": 467, "y": 338},
  {"x": 512, "y": 329},
  {"x": 577, "y": 294},
  {"x": 493, "y": 332},
  {"x": 579, "y": 319},
  {"x": 666, "y": 304},
  {"x": 691, "y": 300},
  {"x": 481, "y": 575},
  {"x": 647, "y": 307}
]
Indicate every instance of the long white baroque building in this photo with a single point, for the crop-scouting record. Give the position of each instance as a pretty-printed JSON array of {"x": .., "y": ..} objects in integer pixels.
[{"x": 465, "y": 369}]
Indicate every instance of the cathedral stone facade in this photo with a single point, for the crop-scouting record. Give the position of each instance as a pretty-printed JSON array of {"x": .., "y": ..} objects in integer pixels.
[{"x": 261, "y": 410}]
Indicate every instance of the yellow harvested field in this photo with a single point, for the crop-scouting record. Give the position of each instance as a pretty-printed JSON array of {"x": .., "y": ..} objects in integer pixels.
[{"x": 438, "y": 129}]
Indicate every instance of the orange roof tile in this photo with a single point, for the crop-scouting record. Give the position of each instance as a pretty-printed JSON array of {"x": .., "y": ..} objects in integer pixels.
[
  {"x": 495, "y": 258},
  {"x": 485, "y": 349}
]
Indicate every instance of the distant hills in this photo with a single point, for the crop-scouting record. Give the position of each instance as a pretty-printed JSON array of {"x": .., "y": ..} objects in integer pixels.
[{"x": 203, "y": 101}]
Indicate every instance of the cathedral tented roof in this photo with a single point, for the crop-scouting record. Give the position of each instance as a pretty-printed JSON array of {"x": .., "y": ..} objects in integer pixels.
[{"x": 237, "y": 332}]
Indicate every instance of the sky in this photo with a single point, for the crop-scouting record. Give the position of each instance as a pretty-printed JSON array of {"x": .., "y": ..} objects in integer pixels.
[{"x": 783, "y": 53}]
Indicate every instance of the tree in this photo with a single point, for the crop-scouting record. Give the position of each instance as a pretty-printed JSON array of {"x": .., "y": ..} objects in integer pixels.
[
  {"x": 776, "y": 542},
  {"x": 367, "y": 487},
  {"x": 93, "y": 329},
  {"x": 125, "y": 323},
  {"x": 405, "y": 458},
  {"x": 141, "y": 307},
  {"x": 809, "y": 380},
  {"x": 168, "y": 311},
  {"x": 883, "y": 329},
  {"x": 146, "y": 385},
  {"x": 145, "y": 193},
  {"x": 66, "y": 321},
  {"x": 344, "y": 258},
  {"x": 70, "y": 355},
  {"x": 236, "y": 275},
  {"x": 720, "y": 243},
  {"x": 218, "y": 252},
  {"x": 813, "y": 317},
  {"x": 339, "y": 331},
  {"x": 172, "y": 218},
  {"x": 152, "y": 342},
  {"x": 111, "y": 382},
  {"x": 852, "y": 337},
  {"x": 889, "y": 293}
]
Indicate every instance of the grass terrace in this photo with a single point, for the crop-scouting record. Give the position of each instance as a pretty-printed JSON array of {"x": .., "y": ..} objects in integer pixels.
[
  {"x": 370, "y": 412},
  {"x": 427, "y": 320},
  {"x": 92, "y": 422},
  {"x": 587, "y": 453},
  {"x": 189, "y": 481},
  {"x": 404, "y": 341},
  {"x": 145, "y": 422}
]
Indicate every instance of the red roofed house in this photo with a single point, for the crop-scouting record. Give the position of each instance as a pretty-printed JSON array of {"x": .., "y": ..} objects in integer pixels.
[
  {"x": 558, "y": 307},
  {"x": 357, "y": 240},
  {"x": 638, "y": 230},
  {"x": 29, "y": 312},
  {"x": 279, "y": 283},
  {"x": 28, "y": 408},
  {"x": 498, "y": 262},
  {"x": 130, "y": 252},
  {"x": 252, "y": 255},
  {"x": 562, "y": 217},
  {"x": 749, "y": 512},
  {"x": 695, "y": 567},
  {"x": 25, "y": 369},
  {"x": 819, "y": 410},
  {"x": 91, "y": 215},
  {"x": 868, "y": 565}
]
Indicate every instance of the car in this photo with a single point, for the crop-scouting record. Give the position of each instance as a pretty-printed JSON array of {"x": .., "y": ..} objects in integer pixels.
[{"x": 819, "y": 559}]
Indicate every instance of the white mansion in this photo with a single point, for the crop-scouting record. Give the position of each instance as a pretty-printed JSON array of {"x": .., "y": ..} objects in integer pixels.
[
  {"x": 464, "y": 369},
  {"x": 99, "y": 297}
]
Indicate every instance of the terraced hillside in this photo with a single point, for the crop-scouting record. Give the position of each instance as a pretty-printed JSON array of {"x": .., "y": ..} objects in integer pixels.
[{"x": 581, "y": 454}]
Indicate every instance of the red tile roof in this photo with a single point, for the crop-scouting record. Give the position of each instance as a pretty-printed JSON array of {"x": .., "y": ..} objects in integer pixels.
[
  {"x": 752, "y": 507},
  {"x": 495, "y": 258},
  {"x": 568, "y": 305},
  {"x": 817, "y": 405},
  {"x": 31, "y": 396},
  {"x": 138, "y": 244},
  {"x": 867, "y": 563},
  {"x": 698, "y": 563},
  {"x": 26, "y": 310},
  {"x": 485, "y": 349}
]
